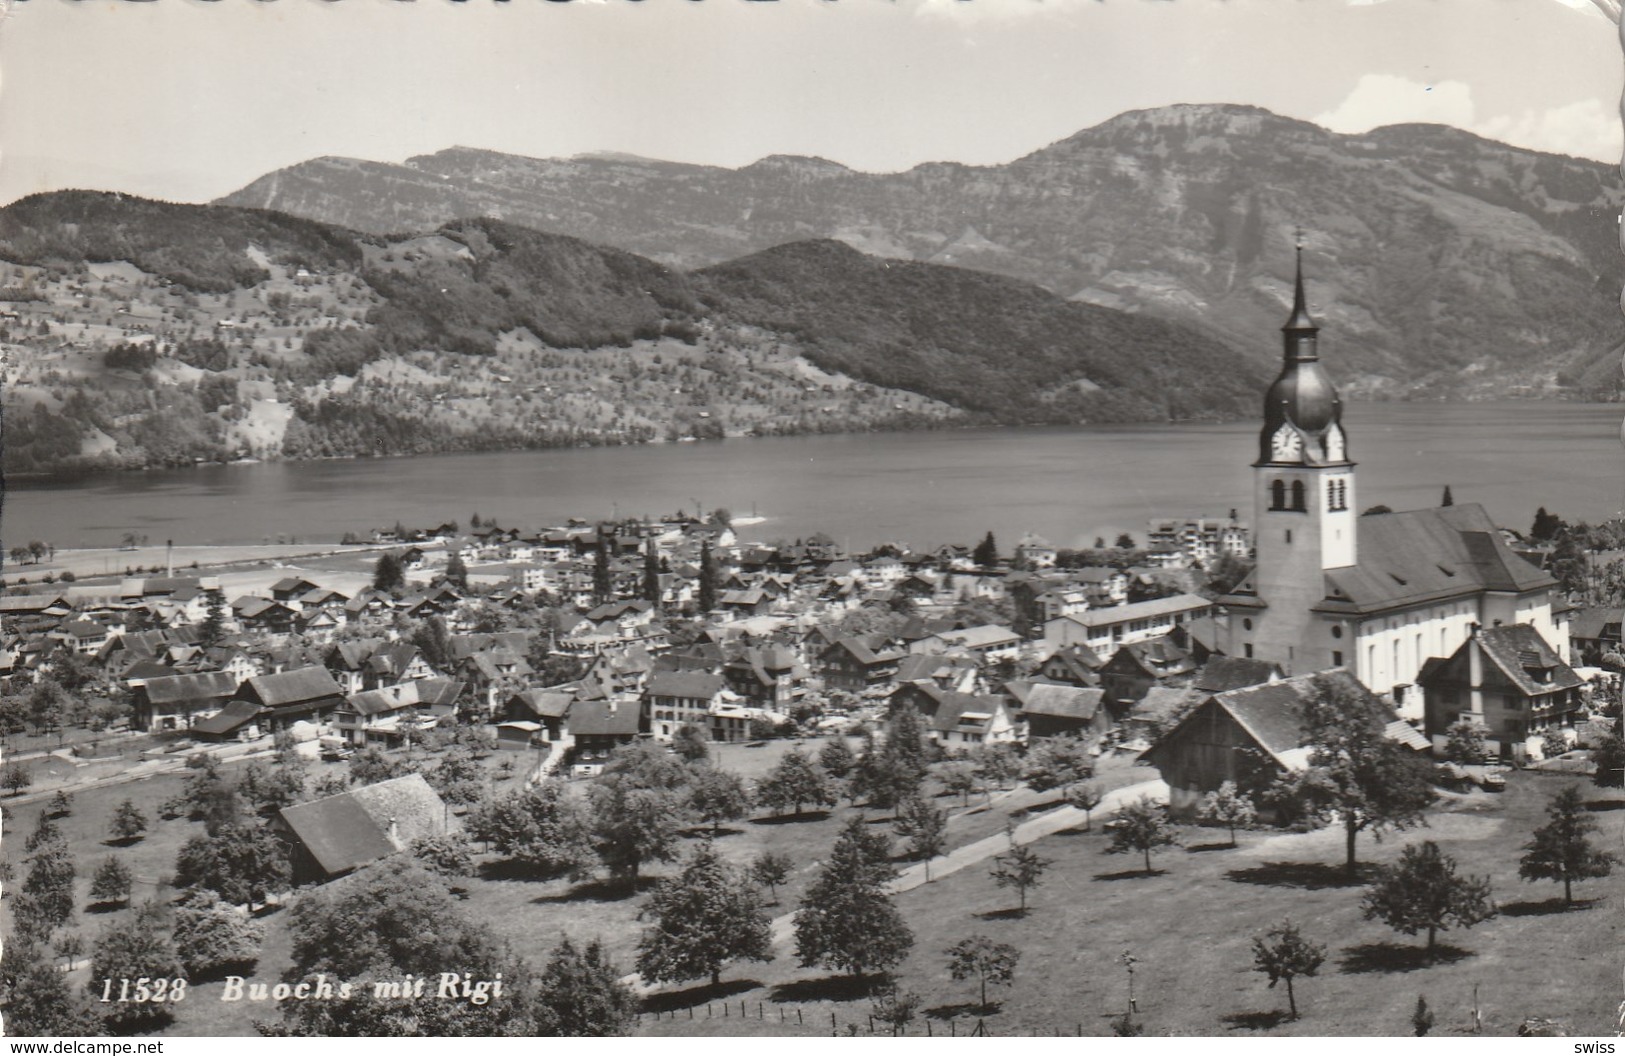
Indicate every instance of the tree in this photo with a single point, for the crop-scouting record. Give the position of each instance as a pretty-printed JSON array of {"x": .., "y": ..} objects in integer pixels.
[
  {"x": 388, "y": 573},
  {"x": 1464, "y": 741},
  {"x": 996, "y": 764},
  {"x": 212, "y": 938},
  {"x": 986, "y": 553},
  {"x": 1447, "y": 499},
  {"x": 1284, "y": 954},
  {"x": 434, "y": 642},
  {"x": 457, "y": 571},
  {"x": 1143, "y": 826},
  {"x": 1608, "y": 759},
  {"x": 705, "y": 917},
  {"x": 691, "y": 744},
  {"x": 1422, "y": 892},
  {"x": 1546, "y": 526},
  {"x": 128, "y": 824},
  {"x": 1228, "y": 807},
  {"x": 836, "y": 759},
  {"x": 1562, "y": 850},
  {"x": 16, "y": 778},
  {"x": 1124, "y": 541},
  {"x": 1056, "y": 763},
  {"x": 958, "y": 778},
  {"x": 891, "y": 774},
  {"x": 59, "y": 805},
  {"x": 370, "y": 765},
  {"x": 707, "y": 599},
  {"x": 395, "y": 918},
  {"x": 1356, "y": 774},
  {"x": 603, "y": 583},
  {"x": 772, "y": 868},
  {"x": 1020, "y": 869},
  {"x": 896, "y": 1008},
  {"x": 633, "y": 823},
  {"x": 111, "y": 882},
  {"x": 651, "y": 574},
  {"x": 793, "y": 782},
  {"x": 47, "y": 898},
  {"x": 447, "y": 855},
  {"x": 583, "y": 993},
  {"x": 924, "y": 826},
  {"x": 39, "y": 1002},
  {"x": 542, "y": 828},
  {"x": 1422, "y": 1018},
  {"x": 213, "y": 627},
  {"x": 846, "y": 920},
  {"x": 131, "y": 949},
  {"x": 1085, "y": 797},
  {"x": 717, "y": 796},
  {"x": 984, "y": 960},
  {"x": 243, "y": 863}
]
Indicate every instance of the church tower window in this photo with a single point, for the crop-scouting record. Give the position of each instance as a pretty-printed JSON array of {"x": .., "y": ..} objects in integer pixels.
[
  {"x": 1297, "y": 495},
  {"x": 1278, "y": 495}
]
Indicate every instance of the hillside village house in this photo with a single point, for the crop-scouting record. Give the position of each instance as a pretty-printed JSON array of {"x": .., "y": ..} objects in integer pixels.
[
  {"x": 675, "y": 699},
  {"x": 394, "y": 714},
  {"x": 170, "y": 702},
  {"x": 1508, "y": 681},
  {"x": 335, "y": 835},
  {"x": 1197, "y": 543},
  {"x": 305, "y": 693},
  {"x": 1105, "y": 630}
]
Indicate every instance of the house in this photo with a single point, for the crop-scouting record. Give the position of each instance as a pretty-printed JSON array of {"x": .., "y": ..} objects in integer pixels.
[
  {"x": 1199, "y": 542},
  {"x": 1106, "y": 630},
  {"x": 674, "y": 699},
  {"x": 1233, "y": 672},
  {"x": 335, "y": 835},
  {"x": 1158, "y": 711},
  {"x": 169, "y": 702},
  {"x": 963, "y": 721},
  {"x": 392, "y": 714},
  {"x": 1248, "y": 735},
  {"x": 348, "y": 662},
  {"x": 1509, "y": 681},
  {"x": 303, "y": 693},
  {"x": 264, "y": 615},
  {"x": 1073, "y": 665},
  {"x": 395, "y": 662},
  {"x": 598, "y": 727},
  {"x": 546, "y": 708},
  {"x": 84, "y": 637},
  {"x": 1136, "y": 667},
  {"x": 857, "y": 664},
  {"x": 1034, "y": 551},
  {"x": 1595, "y": 632},
  {"x": 237, "y": 721},
  {"x": 987, "y": 643},
  {"x": 1056, "y": 711},
  {"x": 492, "y": 675},
  {"x": 769, "y": 677}
]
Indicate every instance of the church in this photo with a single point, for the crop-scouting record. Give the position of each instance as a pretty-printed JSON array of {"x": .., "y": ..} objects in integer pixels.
[{"x": 1377, "y": 594}]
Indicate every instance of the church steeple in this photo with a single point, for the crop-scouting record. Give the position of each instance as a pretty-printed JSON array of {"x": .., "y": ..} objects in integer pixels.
[{"x": 1301, "y": 409}]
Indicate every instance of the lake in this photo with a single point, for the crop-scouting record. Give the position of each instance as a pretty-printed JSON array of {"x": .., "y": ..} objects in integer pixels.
[{"x": 1068, "y": 484}]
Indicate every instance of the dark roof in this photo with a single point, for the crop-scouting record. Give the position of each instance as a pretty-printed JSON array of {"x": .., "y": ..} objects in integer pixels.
[
  {"x": 205, "y": 685},
  {"x": 338, "y": 832},
  {"x": 295, "y": 687},
  {"x": 1221, "y": 673},
  {"x": 1519, "y": 651},
  {"x": 952, "y": 707},
  {"x": 228, "y": 719},
  {"x": 1593, "y": 621},
  {"x": 1426, "y": 555},
  {"x": 351, "y": 829},
  {"x": 602, "y": 717},
  {"x": 441, "y": 691},
  {"x": 549, "y": 704},
  {"x": 1064, "y": 702}
]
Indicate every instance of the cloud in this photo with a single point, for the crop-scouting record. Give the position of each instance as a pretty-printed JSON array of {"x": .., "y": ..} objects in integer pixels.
[
  {"x": 1585, "y": 128},
  {"x": 1388, "y": 99}
]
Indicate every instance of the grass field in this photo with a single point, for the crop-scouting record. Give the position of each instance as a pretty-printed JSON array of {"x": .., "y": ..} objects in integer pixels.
[{"x": 1190, "y": 924}]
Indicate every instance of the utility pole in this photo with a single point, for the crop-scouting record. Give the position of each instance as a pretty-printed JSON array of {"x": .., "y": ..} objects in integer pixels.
[{"x": 1128, "y": 960}]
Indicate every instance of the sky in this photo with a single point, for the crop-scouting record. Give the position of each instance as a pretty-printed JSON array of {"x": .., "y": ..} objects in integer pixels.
[{"x": 188, "y": 100}]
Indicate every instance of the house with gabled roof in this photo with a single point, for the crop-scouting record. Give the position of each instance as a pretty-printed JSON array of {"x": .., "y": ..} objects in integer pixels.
[
  {"x": 170, "y": 701},
  {"x": 674, "y": 699},
  {"x": 1136, "y": 667},
  {"x": 391, "y": 714},
  {"x": 1230, "y": 735},
  {"x": 1051, "y": 710},
  {"x": 335, "y": 835},
  {"x": 308, "y": 693},
  {"x": 1508, "y": 680},
  {"x": 859, "y": 663}
]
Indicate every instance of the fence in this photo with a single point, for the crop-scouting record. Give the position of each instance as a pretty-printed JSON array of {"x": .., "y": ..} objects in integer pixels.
[{"x": 803, "y": 1020}]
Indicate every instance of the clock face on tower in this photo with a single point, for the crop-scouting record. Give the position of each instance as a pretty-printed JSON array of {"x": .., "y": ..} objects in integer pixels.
[
  {"x": 1286, "y": 445},
  {"x": 1334, "y": 444}
]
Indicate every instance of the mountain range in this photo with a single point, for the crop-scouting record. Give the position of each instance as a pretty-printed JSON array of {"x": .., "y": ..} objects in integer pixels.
[{"x": 1440, "y": 264}]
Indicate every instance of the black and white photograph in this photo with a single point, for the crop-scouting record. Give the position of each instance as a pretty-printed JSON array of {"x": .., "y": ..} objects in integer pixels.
[{"x": 811, "y": 519}]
